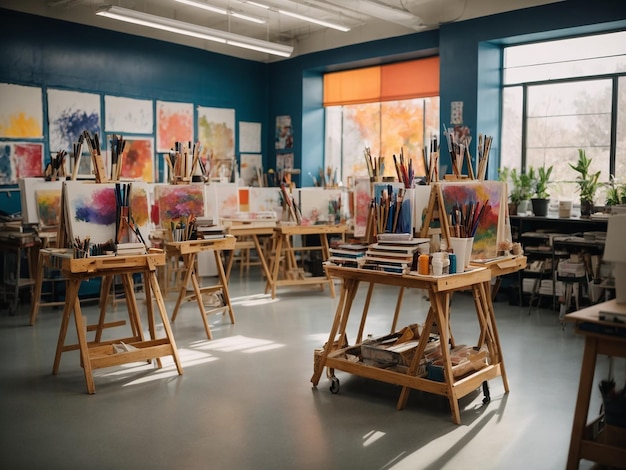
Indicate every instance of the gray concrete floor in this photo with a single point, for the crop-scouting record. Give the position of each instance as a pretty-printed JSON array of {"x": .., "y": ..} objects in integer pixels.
[{"x": 245, "y": 400}]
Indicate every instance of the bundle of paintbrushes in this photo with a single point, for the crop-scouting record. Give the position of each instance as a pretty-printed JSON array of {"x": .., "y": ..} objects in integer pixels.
[
  {"x": 430, "y": 155},
  {"x": 117, "y": 155},
  {"x": 375, "y": 166},
  {"x": 459, "y": 140},
  {"x": 94, "y": 148},
  {"x": 56, "y": 168},
  {"x": 484, "y": 146},
  {"x": 78, "y": 151},
  {"x": 404, "y": 170},
  {"x": 289, "y": 205},
  {"x": 465, "y": 218},
  {"x": 122, "y": 212},
  {"x": 184, "y": 229},
  {"x": 391, "y": 210},
  {"x": 183, "y": 160}
]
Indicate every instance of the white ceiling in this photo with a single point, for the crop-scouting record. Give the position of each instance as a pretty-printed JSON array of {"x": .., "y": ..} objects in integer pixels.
[{"x": 367, "y": 19}]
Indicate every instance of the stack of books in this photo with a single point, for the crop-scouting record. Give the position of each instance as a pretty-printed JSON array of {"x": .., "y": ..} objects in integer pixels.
[
  {"x": 129, "y": 249},
  {"x": 393, "y": 256},
  {"x": 348, "y": 255},
  {"x": 206, "y": 229}
]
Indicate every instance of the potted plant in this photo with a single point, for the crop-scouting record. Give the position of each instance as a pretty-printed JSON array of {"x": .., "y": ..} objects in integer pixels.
[
  {"x": 588, "y": 183},
  {"x": 542, "y": 197},
  {"x": 616, "y": 193},
  {"x": 525, "y": 184}
]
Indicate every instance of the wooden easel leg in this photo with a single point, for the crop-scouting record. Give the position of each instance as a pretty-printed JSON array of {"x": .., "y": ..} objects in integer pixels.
[
  {"x": 198, "y": 295},
  {"x": 189, "y": 264},
  {"x": 150, "y": 312},
  {"x": 154, "y": 284},
  {"x": 70, "y": 292},
  {"x": 107, "y": 282},
  {"x": 224, "y": 283},
  {"x": 81, "y": 332},
  {"x": 133, "y": 308}
]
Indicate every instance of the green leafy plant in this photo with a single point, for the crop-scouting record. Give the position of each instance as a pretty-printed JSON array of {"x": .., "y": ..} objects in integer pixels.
[
  {"x": 616, "y": 192},
  {"x": 588, "y": 183},
  {"x": 520, "y": 184},
  {"x": 541, "y": 182},
  {"x": 510, "y": 177}
]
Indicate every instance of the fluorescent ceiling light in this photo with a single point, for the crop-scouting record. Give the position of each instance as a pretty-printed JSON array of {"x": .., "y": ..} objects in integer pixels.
[
  {"x": 316, "y": 21},
  {"x": 327, "y": 24},
  {"x": 188, "y": 29},
  {"x": 221, "y": 11}
]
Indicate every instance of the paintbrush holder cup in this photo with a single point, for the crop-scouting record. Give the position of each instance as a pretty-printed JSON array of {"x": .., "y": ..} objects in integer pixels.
[{"x": 462, "y": 248}]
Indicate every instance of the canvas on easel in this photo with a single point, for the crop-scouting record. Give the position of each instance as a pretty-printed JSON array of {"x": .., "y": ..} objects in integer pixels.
[
  {"x": 90, "y": 211},
  {"x": 492, "y": 228},
  {"x": 179, "y": 200}
]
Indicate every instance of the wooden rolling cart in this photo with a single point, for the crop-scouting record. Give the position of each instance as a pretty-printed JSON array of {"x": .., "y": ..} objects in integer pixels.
[
  {"x": 99, "y": 354},
  {"x": 283, "y": 248},
  {"x": 603, "y": 336},
  {"x": 440, "y": 289},
  {"x": 189, "y": 251}
]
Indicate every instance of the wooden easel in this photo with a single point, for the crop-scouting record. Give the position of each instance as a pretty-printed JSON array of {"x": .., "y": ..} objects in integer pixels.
[{"x": 436, "y": 210}]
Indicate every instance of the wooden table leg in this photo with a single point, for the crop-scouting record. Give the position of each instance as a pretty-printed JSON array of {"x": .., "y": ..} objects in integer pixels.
[
  {"x": 259, "y": 250},
  {"x": 276, "y": 265},
  {"x": 491, "y": 317},
  {"x": 582, "y": 402},
  {"x": 150, "y": 311},
  {"x": 348, "y": 290},
  {"x": 38, "y": 286},
  {"x": 366, "y": 306},
  {"x": 198, "y": 295},
  {"x": 396, "y": 313},
  {"x": 325, "y": 256}
]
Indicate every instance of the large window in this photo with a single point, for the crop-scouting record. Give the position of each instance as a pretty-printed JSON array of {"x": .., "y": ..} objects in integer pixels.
[
  {"x": 389, "y": 110},
  {"x": 561, "y": 96}
]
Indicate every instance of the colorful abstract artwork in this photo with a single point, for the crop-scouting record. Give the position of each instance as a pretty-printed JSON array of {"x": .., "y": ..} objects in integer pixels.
[
  {"x": 69, "y": 114},
  {"x": 128, "y": 115},
  {"x": 21, "y": 113},
  {"x": 48, "y": 206},
  {"x": 491, "y": 197},
  {"x": 174, "y": 124},
  {"x": 28, "y": 196},
  {"x": 176, "y": 201},
  {"x": 20, "y": 160},
  {"x": 216, "y": 132},
  {"x": 138, "y": 159},
  {"x": 91, "y": 211}
]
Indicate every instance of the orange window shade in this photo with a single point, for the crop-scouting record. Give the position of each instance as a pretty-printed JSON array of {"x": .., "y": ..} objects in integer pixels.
[
  {"x": 402, "y": 80},
  {"x": 413, "y": 79},
  {"x": 352, "y": 86}
]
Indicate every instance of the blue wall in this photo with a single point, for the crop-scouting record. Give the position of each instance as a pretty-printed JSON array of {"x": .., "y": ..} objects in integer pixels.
[{"x": 38, "y": 51}]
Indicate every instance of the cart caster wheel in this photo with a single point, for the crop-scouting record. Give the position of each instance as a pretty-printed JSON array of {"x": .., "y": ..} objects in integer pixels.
[
  {"x": 487, "y": 398},
  {"x": 334, "y": 385}
]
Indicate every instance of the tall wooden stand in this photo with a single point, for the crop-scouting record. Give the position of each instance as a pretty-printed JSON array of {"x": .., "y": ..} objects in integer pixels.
[
  {"x": 282, "y": 249},
  {"x": 189, "y": 251},
  {"x": 98, "y": 354}
]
